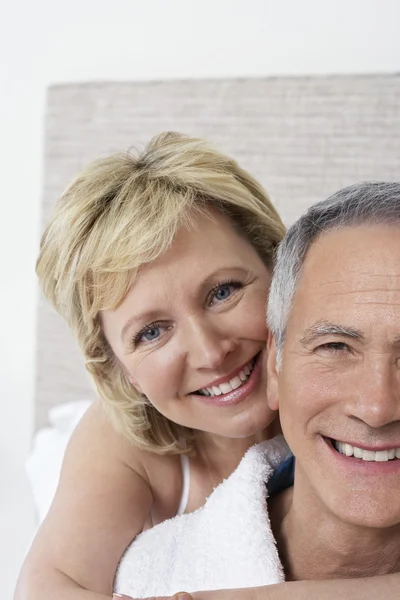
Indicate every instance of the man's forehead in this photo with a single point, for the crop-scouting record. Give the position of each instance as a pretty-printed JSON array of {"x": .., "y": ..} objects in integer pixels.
[
  {"x": 350, "y": 276},
  {"x": 362, "y": 255}
]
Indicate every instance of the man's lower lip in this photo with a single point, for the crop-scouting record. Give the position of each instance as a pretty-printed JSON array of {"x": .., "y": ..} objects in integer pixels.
[
  {"x": 235, "y": 396},
  {"x": 362, "y": 466}
]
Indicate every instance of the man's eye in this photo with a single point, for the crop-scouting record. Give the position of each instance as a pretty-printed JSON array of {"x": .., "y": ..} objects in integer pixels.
[{"x": 334, "y": 347}]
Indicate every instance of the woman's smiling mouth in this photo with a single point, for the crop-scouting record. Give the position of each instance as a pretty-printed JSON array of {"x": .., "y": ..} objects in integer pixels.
[
  {"x": 234, "y": 388},
  {"x": 229, "y": 385}
]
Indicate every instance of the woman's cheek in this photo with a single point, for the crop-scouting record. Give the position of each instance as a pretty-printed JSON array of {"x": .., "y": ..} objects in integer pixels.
[
  {"x": 254, "y": 313},
  {"x": 157, "y": 374}
]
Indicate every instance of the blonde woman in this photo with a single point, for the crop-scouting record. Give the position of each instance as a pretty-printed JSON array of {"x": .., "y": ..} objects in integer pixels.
[{"x": 161, "y": 266}]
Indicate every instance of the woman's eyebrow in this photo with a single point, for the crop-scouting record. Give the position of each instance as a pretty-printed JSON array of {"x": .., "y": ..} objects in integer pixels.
[
  {"x": 223, "y": 272},
  {"x": 322, "y": 328},
  {"x": 145, "y": 317}
]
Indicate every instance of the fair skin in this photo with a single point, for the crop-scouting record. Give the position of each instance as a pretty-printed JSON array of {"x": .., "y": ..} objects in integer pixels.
[
  {"x": 92, "y": 519},
  {"x": 205, "y": 303},
  {"x": 194, "y": 317},
  {"x": 340, "y": 382}
]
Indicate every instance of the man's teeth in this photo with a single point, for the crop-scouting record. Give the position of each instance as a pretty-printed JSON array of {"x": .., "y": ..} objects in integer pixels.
[
  {"x": 367, "y": 455},
  {"x": 229, "y": 386}
]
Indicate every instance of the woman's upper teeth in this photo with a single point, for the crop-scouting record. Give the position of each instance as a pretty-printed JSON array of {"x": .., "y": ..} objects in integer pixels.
[
  {"x": 232, "y": 384},
  {"x": 367, "y": 455}
]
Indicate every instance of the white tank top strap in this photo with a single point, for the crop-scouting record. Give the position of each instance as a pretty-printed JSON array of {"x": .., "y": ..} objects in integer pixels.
[{"x": 185, "y": 466}]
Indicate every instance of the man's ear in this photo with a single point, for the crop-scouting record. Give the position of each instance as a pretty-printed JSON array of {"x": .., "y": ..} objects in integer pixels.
[{"x": 272, "y": 374}]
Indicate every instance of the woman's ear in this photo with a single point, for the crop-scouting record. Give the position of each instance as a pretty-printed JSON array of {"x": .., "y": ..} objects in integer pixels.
[
  {"x": 127, "y": 375},
  {"x": 272, "y": 374},
  {"x": 130, "y": 377},
  {"x": 133, "y": 382}
]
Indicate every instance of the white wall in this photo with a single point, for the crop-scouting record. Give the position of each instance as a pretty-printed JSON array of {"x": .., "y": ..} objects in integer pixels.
[{"x": 47, "y": 41}]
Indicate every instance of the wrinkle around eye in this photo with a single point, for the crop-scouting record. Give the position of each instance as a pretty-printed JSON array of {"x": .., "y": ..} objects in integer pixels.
[
  {"x": 138, "y": 342},
  {"x": 334, "y": 349},
  {"x": 236, "y": 288},
  {"x": 330, "y": 360},
  {"x": 335, "y": 345}
]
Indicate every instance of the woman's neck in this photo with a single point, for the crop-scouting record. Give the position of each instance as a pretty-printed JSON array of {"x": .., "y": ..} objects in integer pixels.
[
  {"x": 222, "y": 455},
  {"x": 323, "y": 547}
]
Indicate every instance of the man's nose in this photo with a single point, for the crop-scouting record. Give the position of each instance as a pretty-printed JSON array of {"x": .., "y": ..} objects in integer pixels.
[
  {"x": 377, "y": 397},
  {"x": 206, "y": 345}
]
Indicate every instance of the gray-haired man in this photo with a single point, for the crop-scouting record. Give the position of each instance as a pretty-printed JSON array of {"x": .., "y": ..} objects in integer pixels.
[{"x": 334, "y": 374}]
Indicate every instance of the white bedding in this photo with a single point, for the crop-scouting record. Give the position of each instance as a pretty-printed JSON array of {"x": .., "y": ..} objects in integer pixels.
[{"x": 49, "y": 444}]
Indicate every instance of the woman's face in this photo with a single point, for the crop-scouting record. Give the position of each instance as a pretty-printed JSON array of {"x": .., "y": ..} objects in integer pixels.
[{"x": 191, "y": 332}]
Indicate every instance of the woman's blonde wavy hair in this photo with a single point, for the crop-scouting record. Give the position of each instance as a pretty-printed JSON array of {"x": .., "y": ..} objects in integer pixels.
[{"x": 120, "y": 213}]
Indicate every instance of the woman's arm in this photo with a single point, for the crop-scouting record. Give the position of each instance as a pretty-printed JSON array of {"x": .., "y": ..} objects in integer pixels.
[
  {"x": 102, "y": 502},
  {"x": 386, "y": 587}
]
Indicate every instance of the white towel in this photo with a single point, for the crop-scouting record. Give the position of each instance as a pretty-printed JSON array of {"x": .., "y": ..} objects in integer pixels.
[{"x": 228, "y": 543}]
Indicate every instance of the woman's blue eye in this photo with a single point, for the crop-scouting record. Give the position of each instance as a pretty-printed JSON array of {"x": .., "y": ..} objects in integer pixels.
[
  {"x": 151, "y": 333},
  {"x": 223, "y": 292}
]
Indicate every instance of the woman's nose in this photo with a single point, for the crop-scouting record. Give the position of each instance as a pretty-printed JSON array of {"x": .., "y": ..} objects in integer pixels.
[{"x": 206, "y": 346}]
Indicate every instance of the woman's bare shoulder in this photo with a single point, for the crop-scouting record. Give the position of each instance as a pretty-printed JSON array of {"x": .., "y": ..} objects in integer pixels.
[
  {"x": 105, "y": 497},
  {"x": 96, "y": 438}
]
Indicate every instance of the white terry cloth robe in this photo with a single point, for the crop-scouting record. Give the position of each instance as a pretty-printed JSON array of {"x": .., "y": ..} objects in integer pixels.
[{"x": 225, "y": 544}]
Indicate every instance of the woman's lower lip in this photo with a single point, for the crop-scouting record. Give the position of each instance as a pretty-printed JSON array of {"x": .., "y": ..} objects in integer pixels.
[
  {"x": 363, "y": 467},
  {"x": 238, "y": 395}
]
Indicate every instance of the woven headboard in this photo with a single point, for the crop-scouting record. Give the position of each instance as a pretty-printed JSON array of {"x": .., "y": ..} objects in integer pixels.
[{"x": 303, "y": 138}]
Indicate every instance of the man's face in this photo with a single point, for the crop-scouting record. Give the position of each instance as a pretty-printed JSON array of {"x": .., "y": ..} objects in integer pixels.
[{"x": 340, "y": 376}]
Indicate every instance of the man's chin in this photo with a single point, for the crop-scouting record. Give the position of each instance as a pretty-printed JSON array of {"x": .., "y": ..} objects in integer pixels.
[{"x": 362, "y": 508}]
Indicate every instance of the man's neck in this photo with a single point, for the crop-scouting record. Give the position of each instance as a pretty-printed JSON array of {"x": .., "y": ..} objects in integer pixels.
[{"x": 314, "y": 544}]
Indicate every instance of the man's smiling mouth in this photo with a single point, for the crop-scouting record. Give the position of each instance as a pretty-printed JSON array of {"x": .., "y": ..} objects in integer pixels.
[{"x": 367, "y": 455}]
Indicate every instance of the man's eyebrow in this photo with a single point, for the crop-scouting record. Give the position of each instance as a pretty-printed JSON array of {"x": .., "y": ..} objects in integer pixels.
[{"x": 322, "y": 328}]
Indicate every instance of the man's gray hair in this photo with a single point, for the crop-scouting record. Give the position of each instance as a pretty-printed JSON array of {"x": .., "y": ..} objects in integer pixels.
[{"x": 371, "y": 202}]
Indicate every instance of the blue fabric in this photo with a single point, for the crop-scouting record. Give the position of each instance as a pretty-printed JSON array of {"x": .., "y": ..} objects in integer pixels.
[{"x": 282, "y": 477}]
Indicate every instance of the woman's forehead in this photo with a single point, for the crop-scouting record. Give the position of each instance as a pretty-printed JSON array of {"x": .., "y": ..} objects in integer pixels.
[
  {"x": 199, "y": 257},
  {"x": 209, "y": 236}
]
